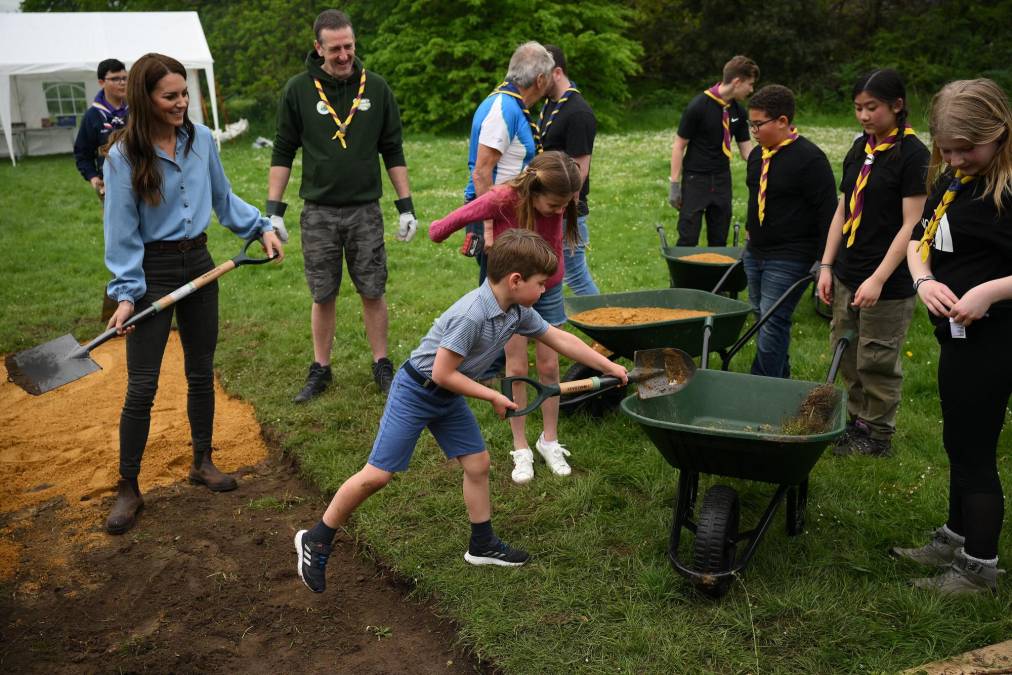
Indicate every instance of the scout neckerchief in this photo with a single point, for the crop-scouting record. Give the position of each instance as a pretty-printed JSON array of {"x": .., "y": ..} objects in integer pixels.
[
  {"x": 725, "y": 117},
  {"x": 342, "y": 127},
  {"x": 510, "y": 89},
  {"x": 857, "y": 196},
  {"x": 113, "y": 116},
  {"x": 542, "y": 125},
  {"x": 958, "y": 181},
  {"x": 767, "y": 156}
]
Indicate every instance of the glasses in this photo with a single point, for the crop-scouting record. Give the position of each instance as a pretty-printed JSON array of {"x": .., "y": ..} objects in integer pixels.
[
  {"x": 754, "y": 126},
  {"x": 117, "y": 80}
]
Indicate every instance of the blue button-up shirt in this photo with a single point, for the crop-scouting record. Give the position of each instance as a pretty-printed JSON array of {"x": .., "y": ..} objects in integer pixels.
[{"x": 192, "y": 184}]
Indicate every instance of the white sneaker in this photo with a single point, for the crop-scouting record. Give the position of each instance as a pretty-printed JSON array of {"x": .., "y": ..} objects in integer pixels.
[
  {"x": 523, "y": 466},
  {"x": 555, "y": 456}
]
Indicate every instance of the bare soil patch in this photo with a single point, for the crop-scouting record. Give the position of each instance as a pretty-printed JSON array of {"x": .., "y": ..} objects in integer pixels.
[{"x": 204, "y": 581}]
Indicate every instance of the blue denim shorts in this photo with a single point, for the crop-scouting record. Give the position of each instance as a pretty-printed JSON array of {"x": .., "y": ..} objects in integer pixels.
[
  {"x": 410, "y": 409},
  {"x": 551, "y": 307}
]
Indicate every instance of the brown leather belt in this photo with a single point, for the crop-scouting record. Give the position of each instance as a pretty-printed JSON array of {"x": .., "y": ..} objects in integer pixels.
[{"x": 179, "y": 245}]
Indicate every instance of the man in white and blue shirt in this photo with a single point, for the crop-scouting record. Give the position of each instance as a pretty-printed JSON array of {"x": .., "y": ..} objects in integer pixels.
[{"x": 503, "y": 135}]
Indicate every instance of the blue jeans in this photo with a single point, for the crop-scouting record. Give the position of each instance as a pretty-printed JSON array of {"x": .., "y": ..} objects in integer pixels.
[
  {"x": 767, "y": 281},
  {"x": 577, "y": 274}
]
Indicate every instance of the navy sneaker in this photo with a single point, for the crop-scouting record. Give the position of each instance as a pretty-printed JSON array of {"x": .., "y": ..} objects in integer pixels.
[
  {"x": 312, "y": 561},
  {"x": 496, "y": 553},
  {"x": 383, "y": 374}
]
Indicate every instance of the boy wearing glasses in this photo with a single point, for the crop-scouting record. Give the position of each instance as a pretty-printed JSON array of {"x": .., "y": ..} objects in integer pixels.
[
  {"x": 701, "y": 154},
  {"x": 107, "y": 113},
  {"x": 791, "y": 201}
]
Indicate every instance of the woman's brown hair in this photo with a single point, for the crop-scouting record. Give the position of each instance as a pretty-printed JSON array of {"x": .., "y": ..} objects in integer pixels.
[
  {"x": 550, "y": 173},
  {"x": 137, "y": 137}
]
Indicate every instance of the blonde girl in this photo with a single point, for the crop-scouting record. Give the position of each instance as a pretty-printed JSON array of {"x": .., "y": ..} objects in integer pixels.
[
  {"x": 543, "y": 198},
  {"x": 961, "y": 260}
]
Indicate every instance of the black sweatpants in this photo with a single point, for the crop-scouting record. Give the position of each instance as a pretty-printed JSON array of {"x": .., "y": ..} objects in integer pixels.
[
  {"x": 708, "y": 193},
  {"x": 974, "y": 383},
  {"x": 197, "y": 318}
]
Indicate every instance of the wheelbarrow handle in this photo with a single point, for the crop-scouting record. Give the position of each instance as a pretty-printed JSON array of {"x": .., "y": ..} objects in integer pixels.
[
  {"x": 841, "y": 346},
  {"x": 663, "y": 237},
  {"x": 175, "y": 296},
  {"x": 546, "y": 391}
]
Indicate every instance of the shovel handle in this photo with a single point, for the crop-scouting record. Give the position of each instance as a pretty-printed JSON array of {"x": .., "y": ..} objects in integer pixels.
[
  {"x": 175, "y": 296},
  {"x": 546, "y": 391}
]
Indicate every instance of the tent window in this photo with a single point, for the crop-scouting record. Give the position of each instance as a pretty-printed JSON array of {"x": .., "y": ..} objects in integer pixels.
[{"x": 65, "y": 98}]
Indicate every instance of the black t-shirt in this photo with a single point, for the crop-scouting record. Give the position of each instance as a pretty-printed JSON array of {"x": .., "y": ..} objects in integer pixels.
[
  {"x": 572, "y": 132},
  {"x": 893, "y": 177},
  {"x": 800, "y": 202},
  {"x": 973, "y": 243},
  {"x": 702, "y": 124}
]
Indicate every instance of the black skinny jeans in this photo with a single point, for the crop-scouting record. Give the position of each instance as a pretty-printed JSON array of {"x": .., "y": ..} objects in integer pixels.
[
  {"x": 197, "y": 318},
  {"x": 974, "y": 383}
]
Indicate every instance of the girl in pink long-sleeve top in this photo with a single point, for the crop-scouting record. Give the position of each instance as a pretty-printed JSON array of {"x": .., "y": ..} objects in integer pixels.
[{"x": 542, "y": 198}]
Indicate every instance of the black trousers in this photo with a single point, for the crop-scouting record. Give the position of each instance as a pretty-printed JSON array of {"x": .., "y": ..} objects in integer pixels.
[
  {"x": 974, "y": 383},
  {"x": 710, "y": 194},
  {"x": 197, "y": 318}
]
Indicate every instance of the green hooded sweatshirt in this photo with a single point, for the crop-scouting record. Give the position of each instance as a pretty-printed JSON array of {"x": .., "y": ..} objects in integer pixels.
[{"x": 331, "y": 174}]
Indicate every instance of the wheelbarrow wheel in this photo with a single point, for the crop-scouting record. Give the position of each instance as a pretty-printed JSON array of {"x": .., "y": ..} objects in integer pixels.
[{"x": 716, "y": 534}]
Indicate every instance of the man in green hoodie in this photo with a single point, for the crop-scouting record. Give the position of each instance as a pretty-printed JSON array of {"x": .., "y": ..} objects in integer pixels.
[{"x": 344, "y": 117}]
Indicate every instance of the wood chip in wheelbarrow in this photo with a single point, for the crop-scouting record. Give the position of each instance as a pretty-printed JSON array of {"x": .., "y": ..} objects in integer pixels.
[
  {"x": 815, "y": 415},
  {"x": 709, "y": 258},
  {"x": 627, "y": 316}
]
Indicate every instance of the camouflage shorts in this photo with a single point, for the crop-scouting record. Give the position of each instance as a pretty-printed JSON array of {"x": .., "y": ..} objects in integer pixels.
[{"x": 352, "y": 232}]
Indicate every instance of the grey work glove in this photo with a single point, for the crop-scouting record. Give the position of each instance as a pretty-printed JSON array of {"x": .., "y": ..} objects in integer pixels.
[
  {"x": 407, "y": 224},
  {"x": 275, "y": 213},
  {"x": 675, "y": 194}
]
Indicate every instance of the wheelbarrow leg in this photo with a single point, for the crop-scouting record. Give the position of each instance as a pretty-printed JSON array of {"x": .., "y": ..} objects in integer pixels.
[
  {"x": 797, "y": 502},
  {"x": 688, "y": 484}
]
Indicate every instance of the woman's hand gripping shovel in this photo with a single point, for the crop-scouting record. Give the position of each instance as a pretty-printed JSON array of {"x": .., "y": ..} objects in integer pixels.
[
  {"x": 658, "y": 372},
  {"x": 63, "y": 360}
]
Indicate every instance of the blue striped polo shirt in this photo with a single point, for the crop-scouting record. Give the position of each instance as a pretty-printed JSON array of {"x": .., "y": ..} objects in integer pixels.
[{"x": 475, "y": 327}]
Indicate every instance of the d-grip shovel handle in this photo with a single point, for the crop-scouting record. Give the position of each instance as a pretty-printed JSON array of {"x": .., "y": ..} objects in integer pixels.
[
  {"x": 546, "y": 391},
  {"x": 175, "y": 296}
]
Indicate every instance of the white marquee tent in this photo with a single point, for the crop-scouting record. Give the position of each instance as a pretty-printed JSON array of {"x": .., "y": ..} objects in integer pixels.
[{"x": 48, "y": 63}]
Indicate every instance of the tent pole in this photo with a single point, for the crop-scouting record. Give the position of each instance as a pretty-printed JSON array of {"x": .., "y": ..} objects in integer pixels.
[
  {"x": 214, "y": 103},
  {"x": 5, "y": 114}
]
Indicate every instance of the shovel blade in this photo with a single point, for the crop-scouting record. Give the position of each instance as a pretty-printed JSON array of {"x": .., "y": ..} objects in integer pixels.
[
  {"x": 49, "y": 365},
  {"x": 663, "y": 371}
]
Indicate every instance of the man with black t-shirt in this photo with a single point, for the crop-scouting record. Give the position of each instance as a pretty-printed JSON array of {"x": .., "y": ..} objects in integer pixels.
[
  {"x": 791, "y": 201},
  {"x": 701, "y": 154},
  {"x": 567, "y": 123}
]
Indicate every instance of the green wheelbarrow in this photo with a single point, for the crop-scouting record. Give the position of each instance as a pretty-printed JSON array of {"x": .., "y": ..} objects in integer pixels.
[
  {"x": 731, "y": 424},
  {"x": 720, "y": 277}
]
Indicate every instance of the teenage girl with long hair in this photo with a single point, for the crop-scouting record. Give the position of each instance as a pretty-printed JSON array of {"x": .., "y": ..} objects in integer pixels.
[
  {"x": 163, "y": 177},
  {"x": 961, "y": 260},
  {"x": 542, "y": 198},
  {"x": 863, "y": 276}
]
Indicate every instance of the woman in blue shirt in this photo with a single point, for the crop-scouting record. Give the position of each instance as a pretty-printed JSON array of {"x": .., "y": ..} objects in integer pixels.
[{"x": 163, "y": 177}]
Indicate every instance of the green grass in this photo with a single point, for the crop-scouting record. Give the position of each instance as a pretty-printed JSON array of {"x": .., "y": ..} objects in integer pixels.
[{"x": 599, "y": 595}]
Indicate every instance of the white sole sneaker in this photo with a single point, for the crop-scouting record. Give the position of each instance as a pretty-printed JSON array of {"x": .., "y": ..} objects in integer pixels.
[
  {"x": 481, "y": 560},
  {"x": 523, "y": 466}
]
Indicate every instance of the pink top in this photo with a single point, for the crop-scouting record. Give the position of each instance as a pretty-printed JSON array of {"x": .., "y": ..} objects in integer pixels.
[{"x": 498, "y": 204}]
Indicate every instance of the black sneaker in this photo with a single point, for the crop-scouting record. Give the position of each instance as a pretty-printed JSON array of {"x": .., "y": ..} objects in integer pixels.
[
  {"x": 312, "y": 561},
  {"x": 496, "y": 553},
  {"x": 317, "y": 380},
  {"x": 383, "y": 373},
  {"x": 873, "y": 447}
]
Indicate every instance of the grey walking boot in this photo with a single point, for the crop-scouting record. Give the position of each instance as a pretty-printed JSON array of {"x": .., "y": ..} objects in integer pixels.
[
  {"x": 938, "y": 552},
  {"x": 965, "y": 576}
]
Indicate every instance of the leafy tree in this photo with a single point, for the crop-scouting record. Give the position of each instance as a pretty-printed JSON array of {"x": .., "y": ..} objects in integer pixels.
[{"x": 443, "y": 58}]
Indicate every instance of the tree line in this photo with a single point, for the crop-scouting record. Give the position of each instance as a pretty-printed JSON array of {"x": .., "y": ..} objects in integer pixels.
[{"x": 441, "y": 57}]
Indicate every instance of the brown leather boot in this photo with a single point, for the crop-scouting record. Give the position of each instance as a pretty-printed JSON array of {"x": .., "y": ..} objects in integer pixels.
[
  {"x": 124, "y": 511},
  {"x": 208, "y": 474}
]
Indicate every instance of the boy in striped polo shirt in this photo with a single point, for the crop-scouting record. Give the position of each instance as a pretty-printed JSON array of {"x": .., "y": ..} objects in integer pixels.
[{"x": 429, "y": 391}]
